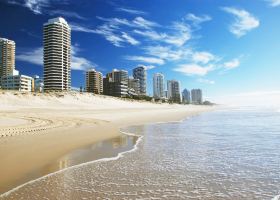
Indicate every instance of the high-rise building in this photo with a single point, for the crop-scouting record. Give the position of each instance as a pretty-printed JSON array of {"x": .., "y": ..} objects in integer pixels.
[
  {"x": 134, "y": 85},
  {"x": 116, "y": 83},
  {"x": 7, "y": 57},
  {"x": 186, "y": 96},
  {"x": 196, "y": 96},
  {"x": 141, "y": 74},
  {"x": 173, "y": 91},
  {"x": 57, "y": 55},
  {"x": 94, "y": 81},
  {"x": 158, "y": 85}
]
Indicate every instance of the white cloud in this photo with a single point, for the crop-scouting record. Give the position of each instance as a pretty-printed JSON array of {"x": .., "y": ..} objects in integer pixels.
[
  {"x": 131, "y": 11},
  {"x": 206, "y": 81},
  {"x": 202, "y": 57},
  {"x": 166, "y": 52},
  {"x": 194, "y": 69},
  {"x": 141, "y": 22},
  {"x": 66, "y": 14},
  {"x": 151, "y": 60},
  {"x": 149, "y": 67},
  {"x": 151, "y": 34},
  {"x": 232, "y": 64},
  {"x": 244, "y": 21},
  {"x": 130, "y": 39},
  {"x": 274, "y": 3},
  {"x": 197, "y": 19},
  {"x": 35, "y": 56}
]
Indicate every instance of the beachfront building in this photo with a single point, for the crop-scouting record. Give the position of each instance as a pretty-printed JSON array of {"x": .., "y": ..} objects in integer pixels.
[
  {"x": 133, "y": 86},
  {"x": 17, "y": 82},
  {"x": 116, "y": 83},
  {"x": 173, "y": 91},
  {"x": 94, "y": 81},
  {"x": 186, "y": 96},
  {"x": 57, "y": 55},
  {"x": 158, "y": 86},
  {"x": 141, "y": 74},
  {"x": 37, "y": 84},
  {"x": 196, "y": 96},
  {"x": 7, "y": 57}
]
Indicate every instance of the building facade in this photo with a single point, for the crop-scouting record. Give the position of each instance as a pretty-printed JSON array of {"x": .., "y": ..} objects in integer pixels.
[
  {"x": 17, "y": 82},
  {"x": 37, "y": 84},
  {"x": 196, "y": 96},
  {"x": 158, "y": 86},
  {"x": 186, "y": 96},
  {"x": 173, "y": 91},
  {"x": 116, "y": 83},
  {"x": 94, "y": 81},
  {"x": 7, "y": 57},
  {"x": 141, "y": 74},
  {"x": 57, "y": 55},
  {"x": 134, "y": 86}
]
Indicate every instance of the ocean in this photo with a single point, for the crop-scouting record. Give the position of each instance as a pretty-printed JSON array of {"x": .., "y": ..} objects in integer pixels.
[{"x": 230, "y": 153}]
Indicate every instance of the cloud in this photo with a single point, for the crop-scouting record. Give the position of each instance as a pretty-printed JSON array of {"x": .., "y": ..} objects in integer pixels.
[
  {"x": 64, "y": 13},
  {"x": 244, "y": 21},
  {"x": 131, "y": 11},
  {"x": 143, "y": 23},
  {"x": 232, "y": 64},
  {"x": 197, "y": 19},
  {"x": 35, "y": 56},
  {"x": 206, "y": 81},
  {"x": 194, "y": 69},
  {"x": 202, "y": 57},
  {"x": 151, "y": 60},
  {"x": 148, "y": 67},
  {"x": 130, "y": 39},
  {"x": 274, "y": 3},
  {"x": 166, "y": 52}
]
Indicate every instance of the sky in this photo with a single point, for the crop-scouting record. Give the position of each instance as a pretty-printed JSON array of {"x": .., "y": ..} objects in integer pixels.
[{"x": 229, "y": 49}]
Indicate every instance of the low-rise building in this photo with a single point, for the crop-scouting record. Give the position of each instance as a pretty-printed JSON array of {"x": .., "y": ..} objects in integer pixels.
[
  {"x": 37, "y": 84},
  {"x": 116, "y": 83},
  {"x": 17, "y": 82}
]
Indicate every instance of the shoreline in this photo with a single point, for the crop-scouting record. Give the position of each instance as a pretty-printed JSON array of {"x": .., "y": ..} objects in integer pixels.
[{"x": 79, "y": 127}]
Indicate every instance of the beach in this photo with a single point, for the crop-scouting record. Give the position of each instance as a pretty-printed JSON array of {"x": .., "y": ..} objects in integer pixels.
[{"x": 37, "y": 129}]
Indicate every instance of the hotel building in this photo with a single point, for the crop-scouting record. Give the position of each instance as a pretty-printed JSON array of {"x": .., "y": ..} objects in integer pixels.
[
  {"x": 141, "y": 74},
  {"x": 7, "y": 57},
  {"x": 196, "y": 96},
  {"x": 17, "y": 82},
  {"x": 134, "y": 86},
  {"x": 116, "y": 83},
  {"x": 173, "y": 91},
  {"x": 94, "y": 81},
  {"x": 158, "y": 85},
  {"x": 186, "y": 96},
  {"x": 57, "y": 55}
]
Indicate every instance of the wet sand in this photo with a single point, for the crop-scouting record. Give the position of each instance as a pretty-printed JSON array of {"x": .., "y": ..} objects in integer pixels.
[{"x": 44, "y": 128}]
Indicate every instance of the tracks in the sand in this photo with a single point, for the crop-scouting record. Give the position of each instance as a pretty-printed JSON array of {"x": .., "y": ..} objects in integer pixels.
[{"x": 36, "y": 125}]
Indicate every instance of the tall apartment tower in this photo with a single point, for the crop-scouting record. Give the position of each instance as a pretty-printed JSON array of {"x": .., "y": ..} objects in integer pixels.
[
  {"x": 141, "y": 74},
  {"x": 173, "y": 91},
  {"x": 7, "y": 57},
  {"x": 158, "y": 86},
  {"x": 186, "y": 96},
  {"x": 94, "y": 81},
  {"x": 197, "y": 96},
  {"x": 57, "y": 55}
]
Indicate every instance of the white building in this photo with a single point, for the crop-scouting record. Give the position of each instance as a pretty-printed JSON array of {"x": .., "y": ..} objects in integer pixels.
[
  {"x": 141, "y": 74},
  {"x": 17, "y": 82},
  {"x": 57, "y": 55},
  {"x": 158, "y": 86},
  {"x": 196, "y": 96},
  {"x": 7, "y": 57},
  {"x": 173, "y": 91}
]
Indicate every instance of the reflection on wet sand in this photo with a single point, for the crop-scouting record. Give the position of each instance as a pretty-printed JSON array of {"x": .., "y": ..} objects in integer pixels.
[{"x": 104, "y": 149}]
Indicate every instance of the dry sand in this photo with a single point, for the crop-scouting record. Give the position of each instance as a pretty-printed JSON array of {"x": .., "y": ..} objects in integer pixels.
[{"x": 36, "y": 129}]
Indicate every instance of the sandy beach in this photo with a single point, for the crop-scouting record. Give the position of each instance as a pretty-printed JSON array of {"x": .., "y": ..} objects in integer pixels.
[{"x": 36, "y": 129}]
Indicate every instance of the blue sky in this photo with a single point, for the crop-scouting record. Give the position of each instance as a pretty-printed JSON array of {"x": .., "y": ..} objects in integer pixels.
[{"x": 226, "y": 48}]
